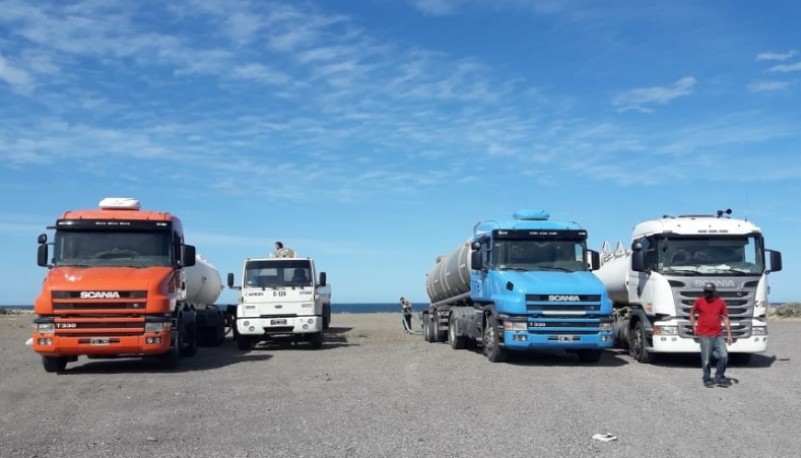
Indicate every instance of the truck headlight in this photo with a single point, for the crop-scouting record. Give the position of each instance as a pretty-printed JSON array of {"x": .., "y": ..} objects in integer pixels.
[
  {"x": 605, "y": 326},
  {"x": 666, "y": 330},
  {"x": 45, "y": 328},
  {"x": 759, "y": 331},
  {"x": 157, "y": 327},
  {"x": 515, "y": 325}
]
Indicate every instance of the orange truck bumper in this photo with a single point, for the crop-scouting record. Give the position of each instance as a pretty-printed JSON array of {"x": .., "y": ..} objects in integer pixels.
[{"x": 139, "y": 345}]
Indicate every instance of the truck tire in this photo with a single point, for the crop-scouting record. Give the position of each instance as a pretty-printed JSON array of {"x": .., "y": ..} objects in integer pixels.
[
  {"x": 316, "y": 340},
  {"x": 326, "y": 316},
  {"x": 457, "y": 342},
  {"x": 190, "y": 341},
  {"x": 426, "y": 328},
  {"x": 638, "y": 344},
  {"x": 172, "y": 357},
  {"x": 434, "y": 328},
  {"x": 492, "y": 344},
  {"x": 54, "y": 363},
  {"x": 589, "y": 356},
  {"x": 440, "y": 335}
]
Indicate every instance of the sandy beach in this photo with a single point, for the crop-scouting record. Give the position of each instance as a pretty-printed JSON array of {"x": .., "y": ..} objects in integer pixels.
[{"x": 374, "y": 391}]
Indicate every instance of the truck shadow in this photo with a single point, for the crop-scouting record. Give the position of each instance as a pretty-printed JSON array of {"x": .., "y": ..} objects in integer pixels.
[
  {"x": 562, "y": 358},
  {"x": 206, "y": 359},
  {"x": 334, "y": 337},
  {"x": 694, "y": 360}
]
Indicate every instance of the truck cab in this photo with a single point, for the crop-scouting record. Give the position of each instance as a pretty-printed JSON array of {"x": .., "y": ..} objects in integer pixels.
[
  {"x": 114, "y": 286},
  {"x": 655, "y": 283},
  {"x": 281, "y": 297},
  {"x": 521, "y": 285}
]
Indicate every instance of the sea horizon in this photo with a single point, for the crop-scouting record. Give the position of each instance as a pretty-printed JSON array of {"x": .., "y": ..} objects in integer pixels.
[{"x": 336, "y": 307}]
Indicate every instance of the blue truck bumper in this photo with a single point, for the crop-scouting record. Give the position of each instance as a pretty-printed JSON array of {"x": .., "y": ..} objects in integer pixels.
[{"x": 523, "y": 340}]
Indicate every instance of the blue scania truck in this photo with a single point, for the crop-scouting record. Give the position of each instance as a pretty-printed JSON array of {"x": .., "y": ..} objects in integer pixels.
[{"x": 520, "y": 285}]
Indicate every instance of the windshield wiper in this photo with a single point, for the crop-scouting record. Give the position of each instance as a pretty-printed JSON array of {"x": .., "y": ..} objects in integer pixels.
[
  {"x": 518, "y": 269},
  {"x": 561, "y": 269}
]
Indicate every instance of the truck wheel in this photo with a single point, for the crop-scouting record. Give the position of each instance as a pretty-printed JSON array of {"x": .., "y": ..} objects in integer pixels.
[
  {"x": 316, "y": 340},
  {"x": 433, "y": 327},
  {"x": 457, "y": 342},
  {"x": 426, "y": 329},
  {"x": 492, "y": 345},
  {"x": 638, "y": 343},
  {"x": 439, "y": 335},
  {"x": 589, "y": 356},
  {"x": 326, "y": 316},
  {"x": 190, "y": 339},
  {"x": 54, "y": 363},
  {"x": 172, "y": 357}
]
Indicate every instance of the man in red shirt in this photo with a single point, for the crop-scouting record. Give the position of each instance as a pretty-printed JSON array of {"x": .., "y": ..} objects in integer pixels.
[{"x": 711, "y": 311}]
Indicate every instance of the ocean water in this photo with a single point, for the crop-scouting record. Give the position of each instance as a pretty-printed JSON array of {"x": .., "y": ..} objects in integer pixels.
[{"x": 344, "y": 307}]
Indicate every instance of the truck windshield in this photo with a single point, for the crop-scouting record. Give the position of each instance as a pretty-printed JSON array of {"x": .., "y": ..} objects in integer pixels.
[
  {"x": 710, "y": 255},
  {"x": 274, "y": 273},
  {"x": 112, "y": 248},
  {"x": 539, "y": 255}
]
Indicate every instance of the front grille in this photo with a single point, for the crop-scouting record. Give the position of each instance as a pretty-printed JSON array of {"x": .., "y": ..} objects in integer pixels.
[
  {"x": 286, "y": 315},
  {"x": 569, "y": 304},
  {"x": 279, "y": 330},
  {"x": 740, "y": 303},
  {"x": 739, "y": 330},
  {"x": 111, "y": 302},
  {"x": 73, "y": 306}
]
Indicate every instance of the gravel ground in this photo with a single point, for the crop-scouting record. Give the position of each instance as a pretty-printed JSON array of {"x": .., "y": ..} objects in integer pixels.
[{"x": 373, "y": 391}]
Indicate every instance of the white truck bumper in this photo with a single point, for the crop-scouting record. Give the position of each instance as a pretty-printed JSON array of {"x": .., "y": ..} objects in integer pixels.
[
  {"x": 675, "y": 344},
  {"x": 296, "y": 325}
]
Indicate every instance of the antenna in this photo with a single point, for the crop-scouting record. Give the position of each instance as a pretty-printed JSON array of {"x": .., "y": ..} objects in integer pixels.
[{"x": 726, "y": 212}]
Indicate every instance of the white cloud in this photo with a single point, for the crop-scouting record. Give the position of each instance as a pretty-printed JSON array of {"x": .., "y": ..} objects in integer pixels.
[
  {"x": 638, "y": 99},
  {"x": 434, "y": 7},
  {"x": 768, "y": 86},
  {"x": 17, "y": 78},
  {"x": 786, "y": 68},
  {"x": 776, "y": 56},
  {"x": 261, "y": 73}
]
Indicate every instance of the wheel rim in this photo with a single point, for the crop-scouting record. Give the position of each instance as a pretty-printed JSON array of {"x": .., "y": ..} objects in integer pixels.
[
  {"x": 489, "y": 339},
  {"x": 637, "y": 342}
]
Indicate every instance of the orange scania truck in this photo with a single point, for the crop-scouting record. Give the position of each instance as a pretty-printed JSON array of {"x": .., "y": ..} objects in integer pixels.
[{"x": 121, "y": 282}]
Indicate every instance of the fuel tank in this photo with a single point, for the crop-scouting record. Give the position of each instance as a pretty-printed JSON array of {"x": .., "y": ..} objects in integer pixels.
[
  {"x": 450, "y": 276},
  {"x": 614, "y": 272},
  {"x": 203, "y": 283}
]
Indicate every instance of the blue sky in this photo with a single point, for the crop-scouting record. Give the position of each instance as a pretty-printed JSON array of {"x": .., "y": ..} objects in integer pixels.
[{"x": 373, "y": 134}]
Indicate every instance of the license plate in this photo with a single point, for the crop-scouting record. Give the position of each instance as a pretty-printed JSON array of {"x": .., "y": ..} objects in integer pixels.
[
  {"x": 277, "y": 322},
  {"x": 566, "y": 338},
  {"x": 98, "y": 341}
]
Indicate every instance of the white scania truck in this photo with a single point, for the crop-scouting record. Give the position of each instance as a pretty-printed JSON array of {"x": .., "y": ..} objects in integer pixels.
[
  {"x": 654, "y": 283},
  {"x": 281, "y": 297}
]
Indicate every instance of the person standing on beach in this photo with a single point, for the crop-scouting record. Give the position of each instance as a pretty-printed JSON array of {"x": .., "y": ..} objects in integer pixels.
[
  {"x": 711, "y": 311},
  {"x": 406, "y": 308}
]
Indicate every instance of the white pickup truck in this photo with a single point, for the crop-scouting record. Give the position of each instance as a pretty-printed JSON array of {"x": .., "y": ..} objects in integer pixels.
[{"x": 281, "y": 297}]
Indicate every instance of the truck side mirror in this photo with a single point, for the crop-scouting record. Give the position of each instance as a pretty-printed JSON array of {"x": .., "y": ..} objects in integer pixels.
[
  {"x": 41, "y": 255},
  {"x": 188, "y": 255},
  {"x": 322, "y": 278},
  {"x": 775, "y": 261},
  {"x": 595, "y": 260},
  {"x": 475, "y": 260},
  {"x": 230, "y": 280},
  {"x": 42, "y": 239},
  {"x": 638, "y": 261}
]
